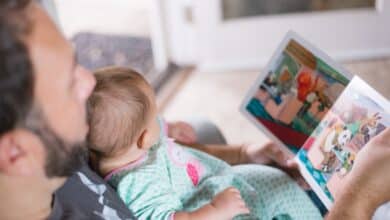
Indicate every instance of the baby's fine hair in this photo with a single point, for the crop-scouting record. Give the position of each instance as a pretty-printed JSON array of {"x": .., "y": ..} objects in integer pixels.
[{"x": 118, "y": 109}]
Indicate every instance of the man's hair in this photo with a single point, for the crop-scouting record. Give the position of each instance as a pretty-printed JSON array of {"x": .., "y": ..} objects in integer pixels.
[
  {"x": 118, "y": 110},
  {"x": 16, "y": 72}
]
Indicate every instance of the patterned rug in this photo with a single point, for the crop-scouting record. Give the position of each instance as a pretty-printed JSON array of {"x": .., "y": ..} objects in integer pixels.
[{"x": 98, "y": 50}]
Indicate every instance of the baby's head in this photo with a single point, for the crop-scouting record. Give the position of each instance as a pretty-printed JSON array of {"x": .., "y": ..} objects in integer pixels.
[{"x": 122, "y": 114}]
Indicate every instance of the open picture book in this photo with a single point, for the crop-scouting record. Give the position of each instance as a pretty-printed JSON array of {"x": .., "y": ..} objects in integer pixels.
[{"x": 316, "y": 111}]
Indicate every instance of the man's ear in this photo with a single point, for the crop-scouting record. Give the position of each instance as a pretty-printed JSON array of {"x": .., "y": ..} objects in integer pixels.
[
  {"x": 14, "y": 157},
  {"x": 142, "y": 140}
]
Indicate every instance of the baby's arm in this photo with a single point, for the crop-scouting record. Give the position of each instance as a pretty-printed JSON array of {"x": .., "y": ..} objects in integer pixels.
[{"x": 225, "y": 205}]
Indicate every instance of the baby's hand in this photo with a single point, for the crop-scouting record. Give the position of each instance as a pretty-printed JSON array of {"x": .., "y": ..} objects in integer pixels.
[
  {"x": 182, "y": 132},
  {"x": 225, "y": 206},
  {"x": 229, "y": 203}
]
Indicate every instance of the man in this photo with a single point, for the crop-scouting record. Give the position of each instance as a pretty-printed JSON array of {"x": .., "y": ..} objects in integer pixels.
[
  {"x": 43, "y": 125},
  {"x": 43, "y": 121}
]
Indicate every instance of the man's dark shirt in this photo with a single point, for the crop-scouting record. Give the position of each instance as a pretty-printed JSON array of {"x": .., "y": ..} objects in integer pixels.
[{"x": 86, "y": 196}]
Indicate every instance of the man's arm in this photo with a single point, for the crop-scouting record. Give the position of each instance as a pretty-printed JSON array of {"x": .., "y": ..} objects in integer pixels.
[
  {"x": 351, "y": 204},
  {"x": 267, "y": 154},
  {"x": 232, "y": 154}
]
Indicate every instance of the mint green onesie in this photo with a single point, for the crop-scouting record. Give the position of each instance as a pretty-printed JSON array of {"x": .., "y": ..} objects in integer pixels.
[{"x": 172, "y": 178}]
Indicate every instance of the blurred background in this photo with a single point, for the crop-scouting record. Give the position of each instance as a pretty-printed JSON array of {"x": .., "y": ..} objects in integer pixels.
[{"x": 201, "y": 56}]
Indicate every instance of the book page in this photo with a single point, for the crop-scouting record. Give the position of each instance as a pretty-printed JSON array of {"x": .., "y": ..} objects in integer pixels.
[
  {"x": 358, "y": 115},
  {"x": 294, "y": 92}
]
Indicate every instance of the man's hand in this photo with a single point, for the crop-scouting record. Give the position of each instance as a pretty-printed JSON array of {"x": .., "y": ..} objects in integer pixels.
[
  {"x": 371, "y": 171},
  {"x": 271, "y": 154},
  {"x": 266, "y": 154},
  {"x": 366, "y": 187},
  {"x": 182, "y": 132}
]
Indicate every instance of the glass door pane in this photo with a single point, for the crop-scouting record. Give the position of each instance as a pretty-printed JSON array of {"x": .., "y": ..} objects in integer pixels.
[{"x": 247, "y": 8}]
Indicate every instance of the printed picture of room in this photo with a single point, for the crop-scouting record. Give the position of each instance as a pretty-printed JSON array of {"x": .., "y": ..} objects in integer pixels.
[{"x": 297, "y": 92}]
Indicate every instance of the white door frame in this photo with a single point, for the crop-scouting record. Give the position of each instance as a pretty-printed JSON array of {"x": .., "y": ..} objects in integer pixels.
[{"x": 158, "y": 34}]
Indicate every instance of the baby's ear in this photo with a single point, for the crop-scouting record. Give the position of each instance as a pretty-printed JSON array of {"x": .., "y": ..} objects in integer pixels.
[{"x": 142, "y": 140}]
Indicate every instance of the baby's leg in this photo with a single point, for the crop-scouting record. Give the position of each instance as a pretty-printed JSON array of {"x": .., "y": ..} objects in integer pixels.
[{"x": 270, "y": 193}]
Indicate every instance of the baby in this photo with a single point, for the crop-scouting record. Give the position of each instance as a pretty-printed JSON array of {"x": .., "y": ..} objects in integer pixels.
[{"x": 160, "y": 179}]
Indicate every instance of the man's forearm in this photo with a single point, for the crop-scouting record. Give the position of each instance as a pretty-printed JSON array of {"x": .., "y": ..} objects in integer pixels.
[
  {"x": 352, "y": 204},
  {"x": 232, "y": 154},
  {"x": 342, "y": 210}
]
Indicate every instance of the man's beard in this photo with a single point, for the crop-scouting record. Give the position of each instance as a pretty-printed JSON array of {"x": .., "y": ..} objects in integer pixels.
[{"x": 62, "y": 158}]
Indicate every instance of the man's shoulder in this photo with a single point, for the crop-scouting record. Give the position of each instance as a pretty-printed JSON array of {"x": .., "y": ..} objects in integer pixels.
[{"x": 86, "y": 196}]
